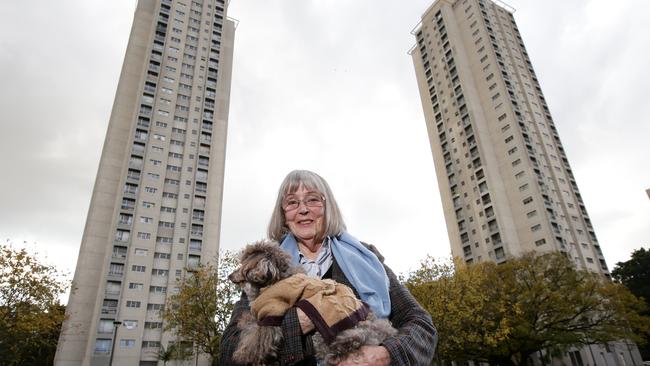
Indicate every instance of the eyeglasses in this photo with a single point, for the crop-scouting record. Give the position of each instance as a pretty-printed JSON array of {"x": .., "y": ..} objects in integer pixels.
[{"x": 310, "y": 200}]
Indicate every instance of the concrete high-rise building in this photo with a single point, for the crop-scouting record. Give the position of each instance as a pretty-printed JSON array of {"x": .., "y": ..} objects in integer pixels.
[
  {"x": 505, "y": 181},
  {"x": 504, "y": 177},
  {"x": 156, "y": 204}
]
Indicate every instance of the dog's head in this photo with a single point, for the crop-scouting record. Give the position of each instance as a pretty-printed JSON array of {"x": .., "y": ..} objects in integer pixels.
[{"x": 261, "y": 264}]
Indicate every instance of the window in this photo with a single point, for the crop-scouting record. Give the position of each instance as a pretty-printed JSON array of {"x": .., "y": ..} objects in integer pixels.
[
  {"x": 103, "y": 345},
  {"x": 158, "y": 289},
  {"x": 193, "y": 261},
  {"x": 146, "y": 220},
  {"x": 155, "y": 306},
  {"x": 127, "y": 343},
  {"x": 169, "y": 195},
  {"x": 119, "y": 251},
  {"x": 195, "y": 245},
  {"x": 159, "y": 272},
  {"x": 163, "y": 240},
  {"x": 499, "y": 253},
  {"x": 141, "y": 252},
  {"x": 135, "y": 286},
  {"x": 146, "y": 204},
  {"x": 153, "y": 325},
  {"x": 159, "y": 136},
  {"x": 158, "y": 255},
  {"x": 150, "y": 344},
  {"x": 153, "y": 175},
  {"x": 536, "y": 228},
  {"x": 527, "y": 200},
  {"x": 138, "y": 268},
  {"x": 145, "y": 236},
  {"x": 122, "y": 235},
  {"x": 167, "y": 209},
  {"x": 105, "y": 326},
  {"x": 150, "y": 189},
  {"x": 165, "y": 224},
  {"x": 113, "y": 287},
  {"x": 540, "y": 242},
  {"x": 126, "y": 219},
  {"x": 133, "y": 304}
]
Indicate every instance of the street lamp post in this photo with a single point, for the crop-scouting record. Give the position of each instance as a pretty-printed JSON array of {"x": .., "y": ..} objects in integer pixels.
[{"x": 116, "y": 324}]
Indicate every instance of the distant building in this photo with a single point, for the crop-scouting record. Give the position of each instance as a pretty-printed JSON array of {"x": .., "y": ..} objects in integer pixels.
[
  {"x": 156, "y": 204},
  {"x": 647, "y": 191},
  {"x": 505, "y": 181}
]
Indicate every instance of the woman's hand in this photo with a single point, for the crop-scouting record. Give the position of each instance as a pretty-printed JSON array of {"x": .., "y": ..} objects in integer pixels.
[
  {"x": 368, "y": 356},
  {"x": 305, "y": 323}
]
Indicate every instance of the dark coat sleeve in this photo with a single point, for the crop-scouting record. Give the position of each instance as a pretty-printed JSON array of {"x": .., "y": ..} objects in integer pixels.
[
  {"x": 416, "y": 340},
  {"x": 230, "y": 337}
]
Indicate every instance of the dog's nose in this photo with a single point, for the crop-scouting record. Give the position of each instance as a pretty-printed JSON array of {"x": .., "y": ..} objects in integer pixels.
[{"x": 235, "y": 277}]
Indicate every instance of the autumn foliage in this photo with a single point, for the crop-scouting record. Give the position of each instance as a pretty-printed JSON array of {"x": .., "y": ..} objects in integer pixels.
[
  {"x": 506, "y": 313},
  {"x": 30, "y": 312},
  {"x": 199, "y": 312}
]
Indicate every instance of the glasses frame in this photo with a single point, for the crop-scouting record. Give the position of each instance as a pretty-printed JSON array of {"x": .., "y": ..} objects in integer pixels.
[{"x": 303, "y": 201}]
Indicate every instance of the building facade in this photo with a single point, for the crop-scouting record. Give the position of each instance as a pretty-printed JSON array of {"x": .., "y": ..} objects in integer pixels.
[
  {"x": 505, "y": 181},
  {"x": 156, "y": 205}
]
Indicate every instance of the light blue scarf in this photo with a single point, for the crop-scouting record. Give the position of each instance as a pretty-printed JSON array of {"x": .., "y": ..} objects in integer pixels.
[{"x": 360, "y": 266}]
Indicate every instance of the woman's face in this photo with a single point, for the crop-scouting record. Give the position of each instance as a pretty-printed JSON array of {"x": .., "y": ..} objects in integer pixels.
[{"x": 305, "y": 222}]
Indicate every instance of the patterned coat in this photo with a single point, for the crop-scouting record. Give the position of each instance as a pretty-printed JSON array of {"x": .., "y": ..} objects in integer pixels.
[{"x": 415, "y": 343}]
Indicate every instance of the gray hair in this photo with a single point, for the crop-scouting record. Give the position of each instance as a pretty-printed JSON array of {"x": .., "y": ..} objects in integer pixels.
[{"x": 333, "y": 224}]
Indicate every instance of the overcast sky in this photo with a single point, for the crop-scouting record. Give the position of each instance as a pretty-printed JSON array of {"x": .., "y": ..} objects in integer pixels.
[{"x": 324, "y": 85}]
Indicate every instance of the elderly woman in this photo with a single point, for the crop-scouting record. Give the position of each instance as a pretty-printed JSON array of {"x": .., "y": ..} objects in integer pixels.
[{"x": 308, "y": 224}]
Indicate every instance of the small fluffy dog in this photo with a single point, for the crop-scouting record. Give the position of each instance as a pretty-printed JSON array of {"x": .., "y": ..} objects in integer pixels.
[{"x": 273, "y": 285}]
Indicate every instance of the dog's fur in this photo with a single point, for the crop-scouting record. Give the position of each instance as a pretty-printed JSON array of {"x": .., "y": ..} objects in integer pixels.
[{"x": 262, "y": 264}]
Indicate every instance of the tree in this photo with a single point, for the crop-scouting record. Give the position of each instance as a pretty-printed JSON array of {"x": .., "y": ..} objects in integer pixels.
[
  {"x": 467, "y": 312},
  {"x": 174, "y": 351},
  {"x": 635, "y": 275},
  {"x": 505, "y": 313},
  {"x": 30, "y": 312},
  {"x": 200, "y": 311}
]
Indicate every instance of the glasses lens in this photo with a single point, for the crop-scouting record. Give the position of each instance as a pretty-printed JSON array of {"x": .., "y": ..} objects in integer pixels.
[
  {"x": 313, "y": 201},
  {"x": 291, "y": 204}
]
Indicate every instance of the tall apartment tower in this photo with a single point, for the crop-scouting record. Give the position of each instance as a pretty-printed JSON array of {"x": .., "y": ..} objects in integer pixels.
[
  {"x": 504, "y": 177},
  {"x": 156, "y": 204}
]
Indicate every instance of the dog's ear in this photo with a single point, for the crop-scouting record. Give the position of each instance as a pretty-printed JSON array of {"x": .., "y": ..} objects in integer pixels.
[{"x": 236, "y": 277}]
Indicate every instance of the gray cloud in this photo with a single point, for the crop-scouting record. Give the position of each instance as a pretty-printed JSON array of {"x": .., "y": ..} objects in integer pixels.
[{"x": 322, "y": 85}]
